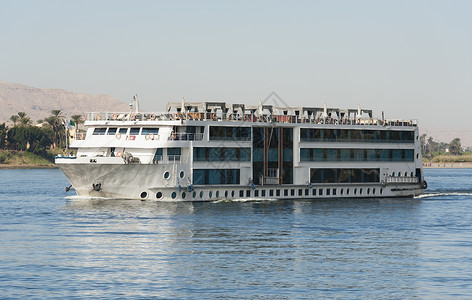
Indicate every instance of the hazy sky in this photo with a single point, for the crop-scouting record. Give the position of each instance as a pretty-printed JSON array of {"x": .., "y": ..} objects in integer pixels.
[{"x": 411, "y": 59}]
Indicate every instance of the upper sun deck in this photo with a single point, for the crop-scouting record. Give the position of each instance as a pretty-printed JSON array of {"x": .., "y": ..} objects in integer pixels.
[{"x": 220, "y": 111}]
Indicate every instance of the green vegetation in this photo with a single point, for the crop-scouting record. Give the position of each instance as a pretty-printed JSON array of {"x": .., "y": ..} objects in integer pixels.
[
  {"x": 440, "y": 152},
  {"x": 24, "y": 158},
  {"x": 26, "y": 145}
]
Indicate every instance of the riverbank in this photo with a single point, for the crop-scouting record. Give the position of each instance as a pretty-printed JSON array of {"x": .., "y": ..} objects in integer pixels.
[
  {"x": 449, "y": 165},
  {"x": 10, "y": 159}
]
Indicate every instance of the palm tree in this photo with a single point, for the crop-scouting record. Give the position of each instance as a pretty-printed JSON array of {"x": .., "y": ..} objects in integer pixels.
[
  {"x": 56, "y": 120},
  {"x": 77, "y": 119},
  {"x": 14, "y": 119}
]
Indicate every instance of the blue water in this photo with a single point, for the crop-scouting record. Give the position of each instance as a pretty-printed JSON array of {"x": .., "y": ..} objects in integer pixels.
[{"x": 57, "y": 247}]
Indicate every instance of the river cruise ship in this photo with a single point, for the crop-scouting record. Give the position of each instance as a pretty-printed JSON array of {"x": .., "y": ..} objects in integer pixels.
[{"x": 206, "y": 151}]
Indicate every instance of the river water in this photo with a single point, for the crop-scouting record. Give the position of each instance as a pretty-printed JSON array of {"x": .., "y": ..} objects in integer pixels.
[{"x": 55, "y": 246}]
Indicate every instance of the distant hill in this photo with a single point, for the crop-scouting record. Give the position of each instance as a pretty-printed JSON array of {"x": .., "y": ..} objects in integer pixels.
[{"x": 38, "y": 102}]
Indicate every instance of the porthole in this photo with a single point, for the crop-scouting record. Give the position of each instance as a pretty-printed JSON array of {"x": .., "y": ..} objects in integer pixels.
[
  {"x": 210, "y": 194},
  {"x": 381, "y": 191},
  {"x": 217, "y": 194},
  {"x": 411, "y": 174},
  {"x": 182, "y": 174},
  {"x": 341, "y": 191},
  {"x": 194, "y": 194},
  {"x": 232, "y": 194},
  {"x": 271, "y": 193},
  {"x": 183, "y": 195},
  {"x": 256, "y": 193},
  {"x": 201, "y": 195},
  {"x": 143, "y": 195},
  {"x": 417, "y": 155},
  {"x": 355, "y": 191},
  {"x": 241, "y": 193},
  {"x": 226, "y": 194},
  {"x": 347, "y": 192},
  {"x": 166, "y": 174},
  {"x": 373, "y": 191},
  {"x": 158, "y": 195},
  {"x": 263, "y": 193},
  {"x": 174, "y": 195},
  {"x": 406, "y": 174},
  {"x": 360, "y": 191},
  {"x": 368, "y": 191}
]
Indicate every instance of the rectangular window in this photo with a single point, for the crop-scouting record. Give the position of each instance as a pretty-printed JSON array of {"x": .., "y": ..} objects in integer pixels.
[
  {"x": 222, "y": 133},
  {"x": 99, "y": 131},
  {"x": 356, "y": 136},
  {"x": 344, "y": 175},
  {"x": 111, "y": 131},
  {"x": 147, "y": 131},
  {"x": 216, "y": 176},
  {"x": 134, "y": 131}
]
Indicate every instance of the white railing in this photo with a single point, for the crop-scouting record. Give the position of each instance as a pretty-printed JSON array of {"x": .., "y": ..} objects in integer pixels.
[
  {"x": 402, "y": 179},
  {"x": 236, "y": 117}
]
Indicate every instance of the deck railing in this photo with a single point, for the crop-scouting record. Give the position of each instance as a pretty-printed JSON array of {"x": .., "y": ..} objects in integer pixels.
[{"x": 219, "y": 117}]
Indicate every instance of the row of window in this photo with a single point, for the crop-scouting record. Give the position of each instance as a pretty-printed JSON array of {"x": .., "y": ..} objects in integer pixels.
[
  {"x": 316, "y": 154},
  {"x": 356, "y": 135},
  {"x": 218, "y": 133},
  {"x": 275, "y": 193},
  {"x": 124, "y": 131},
  {"x": 344, "y": 175},
  {"x": 221, "y": 154},
  {"x": 216, "y": 176}
]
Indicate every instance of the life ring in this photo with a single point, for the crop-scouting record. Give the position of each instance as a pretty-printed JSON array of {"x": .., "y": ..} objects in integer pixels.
[
  {"x": 115, "y": 116},
  {"x": 213, "y": 117},
  {"x": 358, "y": 121},
  {"x": 118, "y": 154},
  {"x": 229, "y": 117},
  {"x": 176, "y": 116},
  {"x": 245, "y": 118},
  {"x": 150, "y": 136},
  {"x": 153, "y": 116},
  {"x": 424, "y": 185},
  {"x": 132, "y": 117},
  {"x": 99, "y": 116},
  {"x": 118, "y": 136}
]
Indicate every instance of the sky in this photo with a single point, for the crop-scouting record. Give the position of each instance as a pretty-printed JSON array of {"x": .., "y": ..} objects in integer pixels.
[{"x": 410, "y": 59}]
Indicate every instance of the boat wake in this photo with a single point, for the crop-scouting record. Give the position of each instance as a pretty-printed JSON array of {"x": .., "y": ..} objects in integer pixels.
[
  {"x": 245, "y": 200},
  {"x": 441, "y": 194}
]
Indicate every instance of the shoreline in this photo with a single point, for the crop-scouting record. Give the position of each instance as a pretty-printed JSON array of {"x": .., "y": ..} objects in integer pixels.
[
  {"x": 13, "y": 166},
  {"x": 449, "y": 165}
]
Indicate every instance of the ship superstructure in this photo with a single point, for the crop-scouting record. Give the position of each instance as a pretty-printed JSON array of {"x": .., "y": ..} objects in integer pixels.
[{"x": 204, "y": 151}]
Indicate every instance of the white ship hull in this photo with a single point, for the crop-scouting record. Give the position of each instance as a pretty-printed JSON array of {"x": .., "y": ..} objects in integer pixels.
[{"x": 302, "y": 153}]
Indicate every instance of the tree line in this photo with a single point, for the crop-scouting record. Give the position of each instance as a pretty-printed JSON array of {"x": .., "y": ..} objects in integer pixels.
[
  {"x": 431, "y": 148},
  {"x": 24, "y": 136}
]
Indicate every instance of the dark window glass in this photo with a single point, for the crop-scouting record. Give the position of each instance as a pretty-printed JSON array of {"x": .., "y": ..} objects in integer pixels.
[
  {"x": 134, "y": 131},
  {"x": 99, "y": 131},
  {"x": 147, "y": 131},
  {"x": 344, "y": 175},
  {"x": 111, "y": 131}
]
